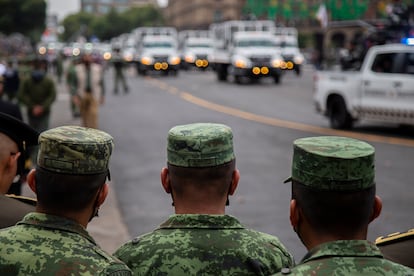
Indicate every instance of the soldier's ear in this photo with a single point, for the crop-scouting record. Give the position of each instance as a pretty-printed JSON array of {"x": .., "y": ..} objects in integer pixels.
[
  {"x": 31, "y": 180},
  {"x": 165, "y": 180},
  {"x": 234, "y": 182},
  {"x": 294, "y": 214},
  {"x": 376, "y": 210}
]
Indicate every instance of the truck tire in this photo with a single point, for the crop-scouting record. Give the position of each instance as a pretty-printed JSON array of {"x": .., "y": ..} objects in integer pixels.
[
  {"x": 297, "y": 70},
  {"x": 221, "y": 72},
  {"x": 339, "y": 117},
  {"x": 276, "y": 79}
]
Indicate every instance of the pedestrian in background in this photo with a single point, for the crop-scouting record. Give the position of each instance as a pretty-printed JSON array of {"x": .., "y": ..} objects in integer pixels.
[
  {"x": 11, "y": 81},
  {"x": 37, "y": 93},
  {"x": 70, "y": 185},
  {"x": 71, "y": 82},
  {"x": 118, "y": 65},
  {"x": 90, "y": 90},
  {"x": 15, "y": 138},
  {"x": 333, "y": 202},
  {"x": 200, "y": 239}
]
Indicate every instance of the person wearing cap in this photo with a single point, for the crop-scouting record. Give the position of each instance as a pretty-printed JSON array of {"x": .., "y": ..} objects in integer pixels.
[
  {"x": 200, "y": 239},
  {"x": 15, "y": 138},
  {"x": 333, "y": 202},
  {"x": 90, "y": 90},
  {"x": 70, "y": 185}
]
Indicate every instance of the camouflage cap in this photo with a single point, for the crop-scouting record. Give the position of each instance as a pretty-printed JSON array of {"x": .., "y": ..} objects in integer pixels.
[
  {"x": 75, "y": 150},
  {"x": 333, "y": 163},
  {"x": 200, "y": 145}
]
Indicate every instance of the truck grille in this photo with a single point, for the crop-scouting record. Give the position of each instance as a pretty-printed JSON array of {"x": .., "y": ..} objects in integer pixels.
[
  {"x": 160, "y": 58},
  {"x": 260, "y": 60}
]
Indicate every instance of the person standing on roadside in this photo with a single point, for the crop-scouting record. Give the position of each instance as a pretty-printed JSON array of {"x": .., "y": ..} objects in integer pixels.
[
  {"x": 70, "y": 184},
  {"x": 200, "y": 239},
  {"x": 90, "y": 90},
  {"x": 118, "y": 66},
  {"x": 38, "y": 93},
  {"x": 333, "y": 202}
]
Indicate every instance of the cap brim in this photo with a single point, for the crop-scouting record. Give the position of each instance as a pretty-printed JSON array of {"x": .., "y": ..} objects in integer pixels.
[
  {"x": 289, "y": 179},
  {"x": 17, "y": 130}
]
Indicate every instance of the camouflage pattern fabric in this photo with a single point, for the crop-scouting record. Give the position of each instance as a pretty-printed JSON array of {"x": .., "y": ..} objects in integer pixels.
[
  {"x": 204, "y": 245},
  {"x": 333, "y": 163},
  {"x": 347, "y": 257},
  {"x": 48, "y": 245},
  {"x": 200, "y": 145},
  {"x": 75, "y": 150}
]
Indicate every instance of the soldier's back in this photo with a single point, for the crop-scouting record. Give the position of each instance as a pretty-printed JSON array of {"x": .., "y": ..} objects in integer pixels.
[{"x": 49, "y": 245}]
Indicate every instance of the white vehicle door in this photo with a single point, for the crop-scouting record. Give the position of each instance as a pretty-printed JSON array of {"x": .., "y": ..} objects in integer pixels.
[{"x": 387, "y": 88}]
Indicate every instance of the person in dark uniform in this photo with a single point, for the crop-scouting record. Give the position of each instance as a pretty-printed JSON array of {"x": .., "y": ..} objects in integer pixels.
[
  {"x": 398, "y": 247},
  {"x": 15, "y": 137},
  {"x": 13, "y": 109}
]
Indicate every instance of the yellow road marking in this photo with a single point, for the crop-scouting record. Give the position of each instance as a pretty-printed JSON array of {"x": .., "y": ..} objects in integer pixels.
[{"x": 283, "y": 123}]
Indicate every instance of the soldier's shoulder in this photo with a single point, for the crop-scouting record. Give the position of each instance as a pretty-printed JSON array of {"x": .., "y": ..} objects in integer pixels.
[{"x": 395, "y": 237}]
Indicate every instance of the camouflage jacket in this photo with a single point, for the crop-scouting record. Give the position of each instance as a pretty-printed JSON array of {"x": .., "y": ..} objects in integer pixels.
[
  {"x": 204, "y": 245},
  {"x": 42, "y": 244},
  {"x": 347, "y": 257}
]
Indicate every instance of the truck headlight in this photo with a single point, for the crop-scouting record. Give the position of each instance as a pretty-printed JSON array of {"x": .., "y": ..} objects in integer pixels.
[
  {"x": 278, "y": 63},
  {"x": 298, "y": 59},
  {"x": 241, "y": 62},
  {"x": 146, "y": 60},
  {"x": 189, "y": 58},
  {"x": 128, "y": 57},
  {"x": 174, "y": 60}
]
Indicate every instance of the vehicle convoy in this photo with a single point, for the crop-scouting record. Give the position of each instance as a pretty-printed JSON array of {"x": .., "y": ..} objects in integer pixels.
[
  {"x": 157, "y": 50},
  {"x": 245, "y": 49},
  {"x": 381, "y": 90},
  {"x": 195, "y": 47},
  {"x": 287, "y": 40}
]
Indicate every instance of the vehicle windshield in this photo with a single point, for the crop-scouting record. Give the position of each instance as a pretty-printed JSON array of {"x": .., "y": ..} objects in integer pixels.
[
  {"x": 158, "y": 44},
  {"x": 255, "y": 43},
  {"x": 198, "y": 45}
]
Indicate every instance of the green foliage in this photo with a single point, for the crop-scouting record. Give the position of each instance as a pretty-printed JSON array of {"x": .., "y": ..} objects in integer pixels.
[
  {"x": 112, "y": 24},
  {"x": 23, "y": 16}
]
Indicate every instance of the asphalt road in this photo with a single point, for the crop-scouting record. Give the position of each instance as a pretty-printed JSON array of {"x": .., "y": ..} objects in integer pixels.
[{"x": 265, "y": 118}]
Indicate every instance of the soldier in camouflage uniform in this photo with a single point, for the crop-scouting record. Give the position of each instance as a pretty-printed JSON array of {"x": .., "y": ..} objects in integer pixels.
[
  {"x": 333, "y": 201},
  {"x": 70, "y": 184},
  {"x": 200, "y": 239}
]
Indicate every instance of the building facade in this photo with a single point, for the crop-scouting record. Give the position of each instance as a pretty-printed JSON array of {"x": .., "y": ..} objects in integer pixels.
[
  {"x": 199, "y": 14},
  {"x": 101, "y": 7}
]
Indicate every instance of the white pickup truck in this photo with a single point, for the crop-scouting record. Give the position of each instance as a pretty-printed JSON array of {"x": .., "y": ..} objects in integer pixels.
[{"x": 382, "y": 90}]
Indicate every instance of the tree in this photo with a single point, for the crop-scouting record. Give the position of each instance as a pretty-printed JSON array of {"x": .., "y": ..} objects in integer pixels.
[
  {"x": 23, "y": 16},
  {"x": 112, "y": 24}
]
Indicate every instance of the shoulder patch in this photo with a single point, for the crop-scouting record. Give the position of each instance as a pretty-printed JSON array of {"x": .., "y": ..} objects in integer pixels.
[
  {"x": 24, "y": 199},
  {"x": 397, "y": 236}
]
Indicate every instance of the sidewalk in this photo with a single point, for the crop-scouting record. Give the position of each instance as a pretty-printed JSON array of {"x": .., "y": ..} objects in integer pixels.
[{"x": 108, "y": 230}]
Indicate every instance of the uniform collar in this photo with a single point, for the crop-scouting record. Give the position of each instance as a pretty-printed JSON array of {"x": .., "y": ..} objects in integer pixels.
[
  {"x": 55, "y": 222},
  {"x": 202, "y": 221}
]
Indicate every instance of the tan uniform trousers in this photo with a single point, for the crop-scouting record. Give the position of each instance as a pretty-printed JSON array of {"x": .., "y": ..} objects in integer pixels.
[{"x": 89, "y": 109}]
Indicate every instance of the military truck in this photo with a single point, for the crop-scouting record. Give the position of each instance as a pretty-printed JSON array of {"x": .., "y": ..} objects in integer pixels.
[
  {"x": 245, "y": 49},
  {"x": 157, "y": 50},
  {"x": 195, "y": 47}
]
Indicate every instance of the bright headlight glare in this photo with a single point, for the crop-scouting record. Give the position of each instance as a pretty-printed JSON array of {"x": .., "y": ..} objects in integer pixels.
[
  {"x": 277, "y": 63},
  {"x": 146, "y": 60},
  {"x": 298, "y": 60},
  {"x": 239, "y": 63},
  {"x": 175, "y": 60},
  {"x": 189, "y": 58}
]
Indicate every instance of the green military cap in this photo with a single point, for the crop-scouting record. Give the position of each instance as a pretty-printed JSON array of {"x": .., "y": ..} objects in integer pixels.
[
  {"x": 333, "y": 163},
  {"x": 75, "y": 150},
  {"x": 200, "y": 145}
]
